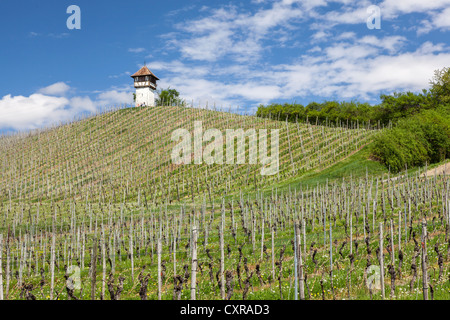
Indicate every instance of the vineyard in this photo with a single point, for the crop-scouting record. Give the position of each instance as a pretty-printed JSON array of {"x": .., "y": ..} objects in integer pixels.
[{"x": 95, "y": 209}]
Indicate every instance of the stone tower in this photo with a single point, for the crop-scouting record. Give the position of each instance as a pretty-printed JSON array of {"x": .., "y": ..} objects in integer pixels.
[{"x": 145, "y": 84}]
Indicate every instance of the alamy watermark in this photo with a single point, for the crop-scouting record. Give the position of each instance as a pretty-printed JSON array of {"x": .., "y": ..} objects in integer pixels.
[
  {"x": 374, "y": 19},
  {"x": 213, "y": 153},
  {"x": 374, "y": 277},
  {"x": 73, "y": 282},
  {"x": 74, "y": 21}
]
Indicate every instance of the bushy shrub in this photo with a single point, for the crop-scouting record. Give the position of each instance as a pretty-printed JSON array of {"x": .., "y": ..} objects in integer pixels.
[
  {"x": 391, "y": 109},
  {"x": 440, "y": 86},
  {"x": 415, "y": 141}
]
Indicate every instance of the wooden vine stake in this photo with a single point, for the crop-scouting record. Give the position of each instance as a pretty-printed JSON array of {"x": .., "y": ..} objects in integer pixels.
[
  {"x": 8, "y": 258},
  {"x": 351, "y": 235},
  {"x": 295, "y": 263},
  {"x": 304, "y": 235},
  {"x": 273, "y": 253},
  {"x": 174, "y": 253},
  {"x": 301, "y": 277},
  {"x": 392, "y": 243},
  {"x": 381, "y": 262},
  {"x": 222, "y": 258},
  {"x": 331, "y": 263},
  {"x": 52, "y": 267},
  {"x": 103, "y": 263},
  {"x": 1, "y": 268},
  {"x": 194, "y": 263},
  {"x": 159, "y": 268},
  {"x": 262, "y": 239},
  {"x": 131, "y": 249},
  {"x": 93, "y": 268},
  {"x": 424, "y": 260}
]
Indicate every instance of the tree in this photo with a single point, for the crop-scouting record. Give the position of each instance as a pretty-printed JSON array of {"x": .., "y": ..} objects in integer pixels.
[
  {"x": 404, "y": 104},
  {"x": 440, "y": 86},
  {"x": 169, "y": 97}
]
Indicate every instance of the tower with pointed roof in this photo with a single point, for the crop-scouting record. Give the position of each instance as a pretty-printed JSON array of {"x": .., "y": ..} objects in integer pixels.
[{"x": 145, "y": 84}]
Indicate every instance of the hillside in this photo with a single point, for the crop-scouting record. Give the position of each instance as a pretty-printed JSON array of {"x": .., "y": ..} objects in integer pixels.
[
  {"x": 125, "y": 154},
  {"x": 100, "y": 200}
]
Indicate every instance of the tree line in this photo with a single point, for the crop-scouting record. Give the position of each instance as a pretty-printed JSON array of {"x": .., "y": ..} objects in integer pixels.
[
  {"x": 392, "y": 107},
  {"x": 421, "y": 123}
]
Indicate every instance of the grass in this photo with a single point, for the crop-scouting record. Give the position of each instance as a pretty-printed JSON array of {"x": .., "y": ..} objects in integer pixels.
[
  {"x": 356, "y": 166},
  {"x": 125, "y": 147}
]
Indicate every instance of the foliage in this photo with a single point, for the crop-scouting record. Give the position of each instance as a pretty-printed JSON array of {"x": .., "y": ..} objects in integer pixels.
[
  {"x": 421, "y": 122},
  {"x": 108, "y": 180},
  {"x": 320, "y": 113},
  {"x": 420, "y": 139},
  {"x": 440, "y": 86},
  {"x": 169, "y": 97},
  {"x": 392, "y": 108},
  {"x": 402, "y": 105},
  {"x": 141, "y": 137}
]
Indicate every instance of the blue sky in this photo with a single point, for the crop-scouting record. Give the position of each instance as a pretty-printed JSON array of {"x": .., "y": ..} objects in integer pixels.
[{"x": 231, "y": 54}]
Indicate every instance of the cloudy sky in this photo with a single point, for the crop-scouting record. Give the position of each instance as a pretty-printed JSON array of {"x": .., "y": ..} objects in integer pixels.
[{"x": 231, "y": 54}]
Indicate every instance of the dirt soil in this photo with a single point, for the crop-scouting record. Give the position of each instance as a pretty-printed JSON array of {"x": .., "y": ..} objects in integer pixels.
[
  {"x": 430, "y": 173},
  {"x": 439, "y": 170}
]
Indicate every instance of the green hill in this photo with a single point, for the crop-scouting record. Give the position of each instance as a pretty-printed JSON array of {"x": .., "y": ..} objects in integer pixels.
[
  {"x": 125, "y": 154},
  {"x": 94, "y": 200}
]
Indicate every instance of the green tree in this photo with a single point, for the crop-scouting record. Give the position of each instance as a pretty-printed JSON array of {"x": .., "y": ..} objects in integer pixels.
[
  {"x": 403, "y": 104},
  {"x": 440, "y": 86},
  {"x": 414, "y": 141},
  {"x": 169, "y": 97}
]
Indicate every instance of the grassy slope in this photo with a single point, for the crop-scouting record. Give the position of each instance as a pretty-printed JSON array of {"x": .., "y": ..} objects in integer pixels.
[
  {"x": 355, "y": 166},
  {"x": 117, "y": 155},
  {"x": 124, "y": 136}
]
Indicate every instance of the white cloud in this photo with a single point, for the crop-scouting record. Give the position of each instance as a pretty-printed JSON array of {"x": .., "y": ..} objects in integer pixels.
[
  {"x": 31, "y": 112},
  {"x": 348, "y": 52},
  {"x": 50, "y": 35},
  {"x": 390, "y": 43},
  {"x": 114, "y": 98},
  {"x": 232, "y": 34},
  {"x": 356, "y": 68},
  {"x": 315, "y": 49},
  {"x": 320, "y": 36},
  {"x": 346, "y": 35},
  {"x": 345, "y": 65},
  {"x": 348, "y": 64},
  {"x": 49, "y": 106},
  {"x": 136, "y": 50},
  {"x": 355, "y": 12},
  {"x": 178, "y": 67},
  {"x": 82, "y": 103},
  {"x": 349, "y": 15},
  {"x": 435, "y": 20},
  {"x": 340, "y": 74},
  {"x": 442, "y": 19},
  {"x": 115, "y": 76},
  {"x": 59, "y": 35},
  {"x": 209, "y": 47},
  {"x": 393, "y": 8},
  {"x": 428, "y": 47},
  {"x": 425, "y": 27},
  {"x": 55, "y": 89}
]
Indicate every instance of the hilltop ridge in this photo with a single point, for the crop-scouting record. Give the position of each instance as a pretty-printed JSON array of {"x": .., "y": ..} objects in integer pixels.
[{"x": 125, "y": 154}]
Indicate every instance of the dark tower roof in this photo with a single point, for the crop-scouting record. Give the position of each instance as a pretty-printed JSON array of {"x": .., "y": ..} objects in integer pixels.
[{"x": 144, "y": 71}]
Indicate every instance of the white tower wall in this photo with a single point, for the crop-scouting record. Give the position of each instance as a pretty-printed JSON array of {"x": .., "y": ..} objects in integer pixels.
[{"x": 145, "y": 97}]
